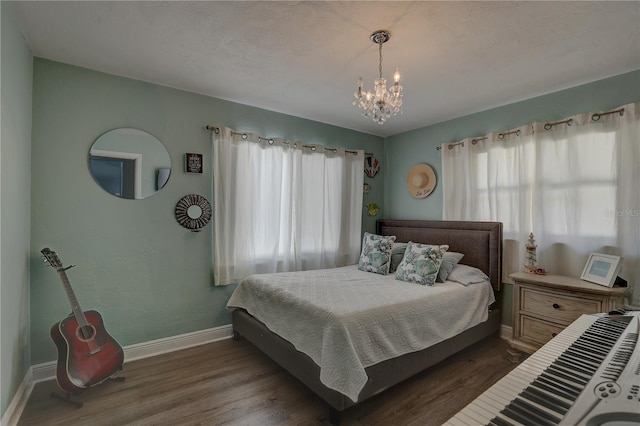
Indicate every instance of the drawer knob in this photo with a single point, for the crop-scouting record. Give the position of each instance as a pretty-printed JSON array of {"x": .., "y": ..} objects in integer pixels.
[{"x": 556, "y": 306}]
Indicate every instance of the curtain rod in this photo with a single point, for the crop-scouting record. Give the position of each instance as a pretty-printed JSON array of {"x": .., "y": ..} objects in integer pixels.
[
  {"x": 451, "y": 145},
  {"x": 216, "y": 130},
  {"x": 569, "y": 122},
  {"x": 596, "y": 116}
]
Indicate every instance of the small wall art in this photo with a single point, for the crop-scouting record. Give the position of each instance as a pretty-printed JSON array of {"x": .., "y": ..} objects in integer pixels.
[
  {"x": 371, "y": 166},
  {"x": 193, "y": 163},
  {"x": 193, "y": 211},
  {"x": 421, "y": 180},
  {"x": 372, "y": 209}
]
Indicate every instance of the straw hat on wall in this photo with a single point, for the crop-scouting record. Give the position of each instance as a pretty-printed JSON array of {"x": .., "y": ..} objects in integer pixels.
[{"x": 421, "y": 180}]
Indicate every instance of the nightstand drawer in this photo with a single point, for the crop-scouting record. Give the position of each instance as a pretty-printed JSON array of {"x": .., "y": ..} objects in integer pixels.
[
  {"x": 538, "y": 331},
  {"x": 556, "y": 307},
  {"x": 543, "y": 305}
]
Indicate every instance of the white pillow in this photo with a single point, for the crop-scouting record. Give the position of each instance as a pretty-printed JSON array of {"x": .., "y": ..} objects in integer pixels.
[{"x": 465, "y": 275}]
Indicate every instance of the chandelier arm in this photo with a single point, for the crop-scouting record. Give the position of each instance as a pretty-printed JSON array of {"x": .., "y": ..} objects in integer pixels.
[{"x": 380, "y": 53}]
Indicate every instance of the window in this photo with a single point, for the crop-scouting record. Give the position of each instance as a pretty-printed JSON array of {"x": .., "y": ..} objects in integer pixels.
[
  {"x": 281, "y": 206},
  {"x": 572, "y": 183}
]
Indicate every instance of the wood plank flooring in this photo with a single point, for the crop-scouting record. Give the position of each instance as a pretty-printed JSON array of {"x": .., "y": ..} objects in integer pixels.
[{"x": 233, "y": 383}]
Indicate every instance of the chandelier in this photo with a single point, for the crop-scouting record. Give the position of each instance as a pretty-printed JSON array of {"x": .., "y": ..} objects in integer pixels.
[{"x": 382, "y": 103}]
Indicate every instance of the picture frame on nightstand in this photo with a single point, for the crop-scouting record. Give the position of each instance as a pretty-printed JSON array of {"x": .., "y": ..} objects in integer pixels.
[{"x": 601, "y": 269}]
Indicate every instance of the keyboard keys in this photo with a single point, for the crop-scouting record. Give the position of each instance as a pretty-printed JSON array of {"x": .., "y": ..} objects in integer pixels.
[{"x": 542, "y": 389}]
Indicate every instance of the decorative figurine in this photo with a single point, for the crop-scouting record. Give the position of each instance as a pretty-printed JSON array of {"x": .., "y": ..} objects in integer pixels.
[{"x": 531, "y": 264}]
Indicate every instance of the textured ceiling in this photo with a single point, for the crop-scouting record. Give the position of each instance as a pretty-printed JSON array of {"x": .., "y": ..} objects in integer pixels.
[{"x": 304, "y": 58}]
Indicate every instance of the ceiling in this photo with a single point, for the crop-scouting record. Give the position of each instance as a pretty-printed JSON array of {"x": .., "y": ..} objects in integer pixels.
[{"x": 303, "y": 58}]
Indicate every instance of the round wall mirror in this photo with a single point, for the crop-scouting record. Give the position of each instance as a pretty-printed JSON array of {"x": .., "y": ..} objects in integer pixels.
[
  {"x": 129, "y": 163},
  {"x": 193, "y": 211}
]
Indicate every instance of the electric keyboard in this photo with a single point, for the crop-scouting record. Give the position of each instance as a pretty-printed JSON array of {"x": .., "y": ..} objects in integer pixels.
[{"x": 589, "y": 374}]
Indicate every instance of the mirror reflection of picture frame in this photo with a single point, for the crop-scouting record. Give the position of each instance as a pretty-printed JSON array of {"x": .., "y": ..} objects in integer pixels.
[{"x": 601, "y": 269}]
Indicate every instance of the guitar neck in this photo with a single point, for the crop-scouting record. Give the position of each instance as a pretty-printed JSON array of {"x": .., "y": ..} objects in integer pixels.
[{"x": 73, "y": 300}]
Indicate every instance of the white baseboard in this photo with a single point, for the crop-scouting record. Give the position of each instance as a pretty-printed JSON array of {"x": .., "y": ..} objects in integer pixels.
[
  {"x": 14, "y": 410},
  {"x": 47, "y": 370},
  {"x": 44, "y": 371},
  {"x": 506, "y": 331},
  {"x": 175, "y": 343}
]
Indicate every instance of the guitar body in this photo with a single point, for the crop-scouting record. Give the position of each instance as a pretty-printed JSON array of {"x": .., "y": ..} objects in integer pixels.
[{"x": 87, "y": 354}]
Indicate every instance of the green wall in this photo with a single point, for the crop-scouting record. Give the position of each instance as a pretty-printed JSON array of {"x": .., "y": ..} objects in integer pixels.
[
  {"x": 405, "y": 150},
  {"x": 148, "y": 276},
  {"x": 15, "y": 179}
]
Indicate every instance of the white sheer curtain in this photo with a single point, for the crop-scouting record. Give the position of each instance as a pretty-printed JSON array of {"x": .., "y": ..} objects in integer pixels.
[
  {"x": 573, "y": 183},
  {"x": 488, "y": 179},
  {"x": 281, "y": 206}
]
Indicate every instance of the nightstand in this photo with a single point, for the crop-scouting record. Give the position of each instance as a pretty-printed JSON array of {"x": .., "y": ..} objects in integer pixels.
[{"x": 543, "y": 305}]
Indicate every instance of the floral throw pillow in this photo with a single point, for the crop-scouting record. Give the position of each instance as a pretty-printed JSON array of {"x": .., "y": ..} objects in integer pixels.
[
  {"x": 376, "y": 253},
  {"x": 421, "y": 263}
]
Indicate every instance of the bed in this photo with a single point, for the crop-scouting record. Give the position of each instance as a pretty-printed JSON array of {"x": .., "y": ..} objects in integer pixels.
[{"x": 353, "y": 375}]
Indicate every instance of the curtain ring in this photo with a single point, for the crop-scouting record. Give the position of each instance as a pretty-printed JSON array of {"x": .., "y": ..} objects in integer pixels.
[
  {"x": 500, "y": 135},
  {"x": 244, "y": 136},
  {"x": 270, "y": 141},
  {"x": 595, "y": 117},
  {"x": 548, "y": 126},
  {"x": 570, "y": 122},
  {"x": 450, "y": 146},
  {"x": 518, "y": 132}
]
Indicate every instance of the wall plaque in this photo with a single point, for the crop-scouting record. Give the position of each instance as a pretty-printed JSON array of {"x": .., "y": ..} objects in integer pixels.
[{"x": 192, "y": 163}]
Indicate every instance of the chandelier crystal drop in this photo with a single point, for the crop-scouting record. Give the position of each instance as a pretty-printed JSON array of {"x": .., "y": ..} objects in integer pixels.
[{"x": 382, "y": 103}]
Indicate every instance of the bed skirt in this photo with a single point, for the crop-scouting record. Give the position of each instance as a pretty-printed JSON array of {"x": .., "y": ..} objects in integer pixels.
[{"x": 380, "y": 376}]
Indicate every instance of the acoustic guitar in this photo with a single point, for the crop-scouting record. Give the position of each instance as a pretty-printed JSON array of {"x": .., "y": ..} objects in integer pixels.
[{"x": 87, "y": 354}]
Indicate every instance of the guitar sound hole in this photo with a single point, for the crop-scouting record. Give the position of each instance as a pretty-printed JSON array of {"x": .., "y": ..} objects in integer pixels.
[{"x": 86, "y": 332}]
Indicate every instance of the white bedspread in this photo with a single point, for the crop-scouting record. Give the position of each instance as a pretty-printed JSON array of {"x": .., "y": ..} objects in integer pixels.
[{"x": 346, "y": 319}]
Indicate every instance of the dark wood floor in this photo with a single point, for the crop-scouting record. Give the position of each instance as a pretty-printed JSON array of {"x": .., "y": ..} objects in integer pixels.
[{"x": 233, "y": 383}]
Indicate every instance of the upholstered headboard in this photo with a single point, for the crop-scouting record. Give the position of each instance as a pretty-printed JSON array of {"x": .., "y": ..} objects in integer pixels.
[{"x": 480, "y": 242}]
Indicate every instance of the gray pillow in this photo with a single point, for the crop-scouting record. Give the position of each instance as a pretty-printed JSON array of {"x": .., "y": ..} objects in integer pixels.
[
  {"x": 466, "y": 275},
  {"x": 449, "y": 260},
  {"x": 376, "y": 253},
  {"x": 397, "y": 253}
]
